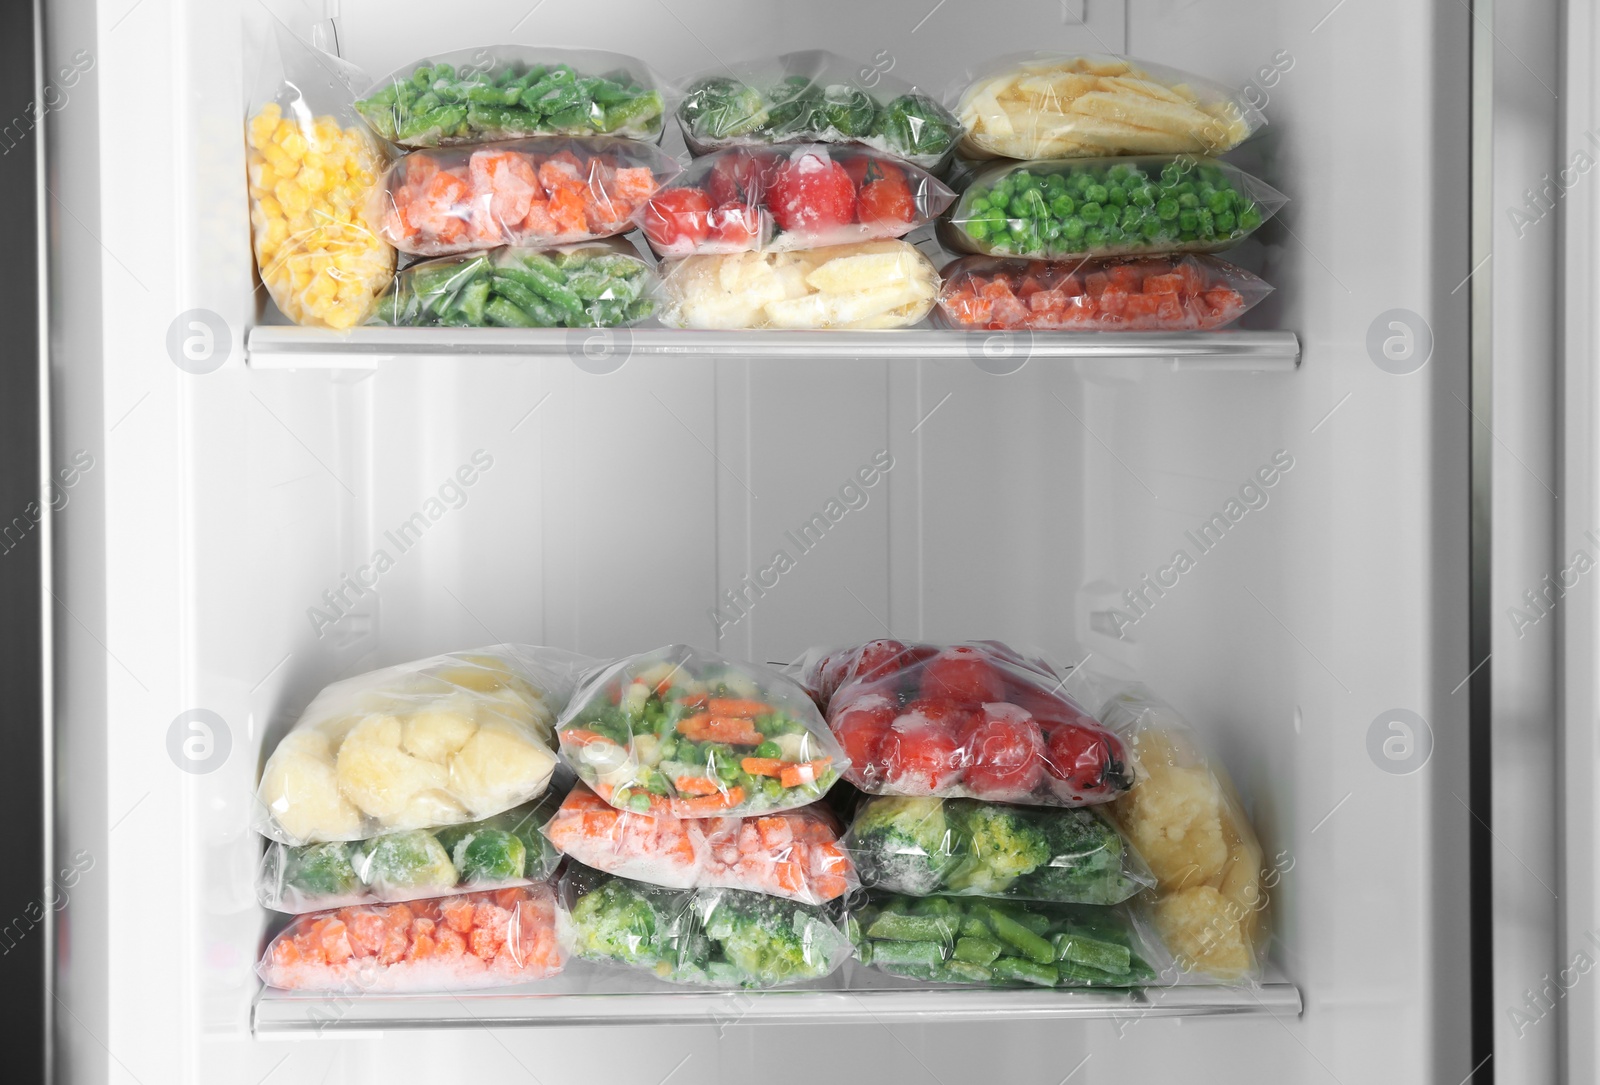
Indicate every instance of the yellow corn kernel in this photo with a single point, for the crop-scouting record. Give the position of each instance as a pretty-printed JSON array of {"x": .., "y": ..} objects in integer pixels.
[
  {"x": 279, "y": 160},
  {"x": 312, "y": 180},
  {"x": 285, "y": 129},
  {"x": 295, "y": 144}
]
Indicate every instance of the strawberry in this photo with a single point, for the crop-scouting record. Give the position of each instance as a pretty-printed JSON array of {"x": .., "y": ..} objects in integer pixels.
[
  {"x": 812, "y": 194},
  {"x": 1005, "y": 754},
  {"x": 861, "y": 727},
  {"x": 887, "y": 201}
]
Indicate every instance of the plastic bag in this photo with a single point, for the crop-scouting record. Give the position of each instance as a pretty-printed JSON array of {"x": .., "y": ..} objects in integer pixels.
[
  {"x": 1159, "y": 293},
  {"x": 442, "y": 944},
  {"x": 441, "y": 741},
  {"x": 498, "y": 852},
  {"x": 1044, "y": 105},
  {"x": 794, "y": 854},
  {"x": 515, "y": 92},
  {"x": 1210, "y": 901},
  {"x": 964, "y": 847},
  {"x": 1108, "y": 207},
  {"x": 815, "y": 97},
  {"x": 312, "y": 166},
  {"x": 743, "y": 200},
  {"x": 974, "y": 720},
  {"x": 876, "y": 284},
  {"x": 686, "y": 732},
  {"x": 1005, "y": 943},
  {"x": 526, "y": 192},
  {"x": 593, "y": 284},
  {"x": 708, "y": 937}
]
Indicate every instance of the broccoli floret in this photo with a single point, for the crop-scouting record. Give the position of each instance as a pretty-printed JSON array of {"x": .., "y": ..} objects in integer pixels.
[
  {"x": 404, "y": 861},
  {"x": 902, "y": 844},
  {"x": 321, "y": 870},
  {"x": 616, "y": 921},
  {"x": 720, "y": 108},
  {"x": 771, "y": 940},
  {"x": 915, "y": 124},
  {"x": 490, "y": 855},
  {"x": 1001, "y": 845},
  {"x": 1085, "y": 864}
]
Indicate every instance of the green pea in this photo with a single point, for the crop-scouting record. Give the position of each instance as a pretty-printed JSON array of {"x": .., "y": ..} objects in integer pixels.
[
  {"x": 1096, "y": 194},
  {"x": 1094, "y": 237},
  {"x": 1188, "y": 221},
  {"x": 1188, "y": 201},
  {"x": 1062, "y": 206},
  {"x": 1072, "y": 230},
  {"x": 1249, "y": 218},
  {"x": 1055, "y": 184},
  {"x": 1090, "y": 212},
  {"x": 1226, "y": 223}
]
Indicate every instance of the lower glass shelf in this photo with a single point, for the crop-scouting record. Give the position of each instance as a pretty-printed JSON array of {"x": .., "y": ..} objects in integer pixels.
[{"x": 596, "y": 996}]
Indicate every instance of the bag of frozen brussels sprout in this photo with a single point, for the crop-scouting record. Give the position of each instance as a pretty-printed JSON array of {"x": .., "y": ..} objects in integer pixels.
[
  {"x": 441, "y": 741},
  {"x": 815, "y": 97}
]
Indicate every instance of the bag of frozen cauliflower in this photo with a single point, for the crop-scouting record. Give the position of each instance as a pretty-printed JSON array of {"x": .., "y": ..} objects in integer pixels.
[{"x": 442, "y": 741}]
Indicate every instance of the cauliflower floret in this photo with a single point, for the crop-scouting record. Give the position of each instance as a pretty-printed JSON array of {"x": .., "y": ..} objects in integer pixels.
[
  {"x": 436, "y": 732},
  {"x": 377, "y": 775},
  {"x": 1204, "y": 931},
  {"x": 1173, "y": 815},
  {"x": 299, "y": 786},
  {"x": 498, "y": 768}
]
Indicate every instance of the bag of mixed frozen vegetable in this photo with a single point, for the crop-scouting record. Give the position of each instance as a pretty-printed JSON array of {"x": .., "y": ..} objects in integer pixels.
[
  {"x": 1006, "y": 943},
  {"x": 593, "y": 284},
  {"x": 441, "y": 741},
  {"x": 1043, "y": 105},
  {"x": 1157, "y": 293},
  {"x": 312, "y": 168},
  {"x": 1108, "y": 207},
  {"x": 443, "y": 944},
  {"x": 815, "y": 97},
  {"x": 708, "y": 937},
  {"x": 1209, "y": 903},
  {"x": 973, "y": 720},
  {"x": 685, "y": 732},
  {"x": 964, "y": 847},
  {"x": 497, "y": 852},
  {"x": 806, "y": 197},
  {"x": 531, "y": 192},
  {"x": 791, "y": 853},
  {"x": 515, "y": 92},
  {"x": 875, "y": 284}
]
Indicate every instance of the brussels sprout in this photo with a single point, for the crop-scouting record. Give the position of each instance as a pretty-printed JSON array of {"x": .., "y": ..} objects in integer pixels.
[
  {"x": 848, "y": 111},
  {"x": 321, "y": 870},
  {"x": 793, "y": 102},
  {"x": 490, "y": 855},
  {"x": 413, "y": 860},
  {"x": 718, "y": 108},
  {"x": 917, "y": 125}
]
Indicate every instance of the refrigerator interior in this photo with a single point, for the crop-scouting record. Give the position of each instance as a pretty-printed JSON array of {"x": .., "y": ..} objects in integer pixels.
[{"x": 619, "y": 507}]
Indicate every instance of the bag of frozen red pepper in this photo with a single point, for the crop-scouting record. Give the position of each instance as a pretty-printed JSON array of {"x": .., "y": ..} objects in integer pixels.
[
  {"x": 435, "y": 202},
  {"x": 976, "y": 720},
  {"x": 1158, "y": 294}
]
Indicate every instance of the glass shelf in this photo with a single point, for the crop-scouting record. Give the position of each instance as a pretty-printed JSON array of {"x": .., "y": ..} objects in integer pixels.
[{"x": 589, "y": 995}]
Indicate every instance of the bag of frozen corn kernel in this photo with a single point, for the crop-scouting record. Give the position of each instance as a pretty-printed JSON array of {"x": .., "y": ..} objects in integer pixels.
[
  {"x": 440, "y": 741},
  {"x": 312, "y": 165},
  {"x": 1048, "y": 105}
]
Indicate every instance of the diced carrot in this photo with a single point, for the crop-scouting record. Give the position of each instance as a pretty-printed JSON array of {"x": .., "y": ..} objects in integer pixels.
[
  {"x": 829, "y": 886},
  {"x": 1113, "y": 300},
  {"x": 482, "y": 944},
  {"x": 694, "y": 700},
  {"x": 285, "y": 952},
  {"x": 1164, "y": 284},
  {"x": 568, "y": 210},
  {"x": 1030, "y": 286},
  {"x": 458, "y": 915},
  {"x": 1139, "y": 305},
  {"x": 1194, "y": 279},
  {"x": 709, "y": 804},
  {"x": 335, "y": 939},
  {"x": 366, "y": 931},
  {"x": 789, "y": 876},
  {"x": 775, "y": 832},
  {"x": 1095, "y": 283},
  {"x": 395, "y": 943},
  {"x": 509, "y": 898},
  {"x": 696, "y": 785},
  {"x": 1124, "y": 275},
  {"x": 423, "y": 946},
  {"x": 635, "y": 184},
  {"x": 452, "y": 943},
  {"x": 578, "y": 736},
  {"x": 763, "y": 766},
  {"x": 804, "y": 773},
  {"x": 728, "y": 706}
]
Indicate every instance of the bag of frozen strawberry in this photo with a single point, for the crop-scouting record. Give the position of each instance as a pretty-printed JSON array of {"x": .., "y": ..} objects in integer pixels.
[{"x": 975, "y": 720}]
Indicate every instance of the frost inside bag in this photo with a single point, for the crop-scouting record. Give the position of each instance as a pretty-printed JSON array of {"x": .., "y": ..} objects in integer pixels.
[
  {"x": 515, "y": 92},
  {"x": 965, "y": 847},
  {"x": 876, "y": 284},
  {"x": 498, "y": 852},
  {"x": 1210, "y": 900},
  {"x": 1162, "y": 293},
  {"x": 792, "y": 853},
  {"x": 312, "y": 169},
  {"x": 593, "y": 284},
  {"x": 805, "y": 197},
  {"x": 444, "y": 944},
  {"x": 524, "y": 192},
  {"x": 708, "y": 937},
  {"x": 686, "y": 732},
  {"x": 815, "y": 97},
  {"x": 441, "y": 741},
  {"x": 973, "y": 720},
  {"x": 1005, "y": 943},
  {"x": 1043, "y": 105},
  {"x": 1108, "y": 207}
]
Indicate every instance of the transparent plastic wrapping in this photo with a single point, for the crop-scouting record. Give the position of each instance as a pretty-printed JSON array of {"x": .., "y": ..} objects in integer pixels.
[
  {"x": 529, "y": 192},
  {"x": 455, "y": 943},
  {"x": 593, "y": 284},
  {"x": 501, "y": 92},
  {"x": 815, "y": 97},
  {"x": 1210, "y": 901},
  {"x": 312, "y": 166},
  {"x": 1108, "y": 207},
  {"x": 806, "y": 197},
  {"x": 685, "y": 732},
  {"x": 946, "y": 939},
  {"x": 972, "y": 720},
  {"x": 793, "y": 853},
  {"x": 964, "y": 847},
  {"x": 498, "y": 852},
  {"x": 705, "y": 937},
  {"x": 440, "y": 741},
  {"x": 1156, "y": 293},
  {"x": 876, "y": 284},
  {"x": 1051, "y": 105}
]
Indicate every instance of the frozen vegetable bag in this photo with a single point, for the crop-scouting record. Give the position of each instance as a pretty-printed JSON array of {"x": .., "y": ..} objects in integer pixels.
[
  {"x": 515, "y": 92},
  {"x": 686, "y": 732},
  {"x": 440, "y": 741},
  {"x": 791, "y": 853},
  {"x": 312, "y": 166}
]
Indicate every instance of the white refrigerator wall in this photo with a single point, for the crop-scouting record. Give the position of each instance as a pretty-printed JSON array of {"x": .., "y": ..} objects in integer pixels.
[{"x": 618, "y": 508}]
